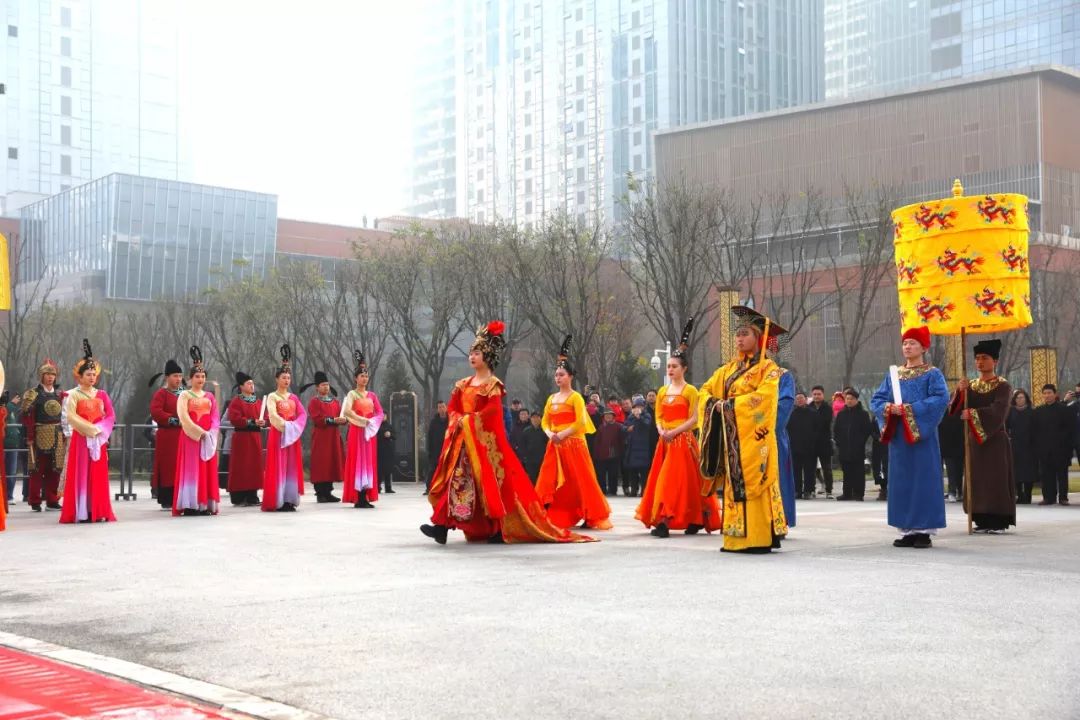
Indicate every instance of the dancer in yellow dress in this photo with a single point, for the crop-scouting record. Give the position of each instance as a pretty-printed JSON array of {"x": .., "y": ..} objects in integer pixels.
[{"x": 737, "y": 415}]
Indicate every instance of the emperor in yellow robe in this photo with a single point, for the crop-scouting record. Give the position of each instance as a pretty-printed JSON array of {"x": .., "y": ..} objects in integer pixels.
[{"x": 737, "y": 412}]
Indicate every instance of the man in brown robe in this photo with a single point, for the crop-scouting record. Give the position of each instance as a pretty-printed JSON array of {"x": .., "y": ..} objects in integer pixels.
[{"x": 993, "y": 492}]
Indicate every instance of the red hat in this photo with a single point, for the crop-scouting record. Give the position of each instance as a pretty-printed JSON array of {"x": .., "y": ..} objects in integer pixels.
[{"x": 921, "y": 333}]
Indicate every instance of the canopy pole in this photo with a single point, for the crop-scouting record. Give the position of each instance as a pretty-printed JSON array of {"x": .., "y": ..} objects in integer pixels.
[{"x": 968, "y": 500}]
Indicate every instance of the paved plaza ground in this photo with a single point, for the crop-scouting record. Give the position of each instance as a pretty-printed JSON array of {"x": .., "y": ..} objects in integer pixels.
[{"x": 354, "y": 614}]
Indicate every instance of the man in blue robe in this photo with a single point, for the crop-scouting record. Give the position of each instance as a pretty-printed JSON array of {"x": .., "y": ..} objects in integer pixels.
[
  {"x": 916, "y": 502},
  {"x": 785, "y": 403}
]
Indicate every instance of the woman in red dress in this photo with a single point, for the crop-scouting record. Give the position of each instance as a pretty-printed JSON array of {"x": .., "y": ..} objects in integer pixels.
[
  {"x": 364, "y": 414},
  {"x": 90, "y": 415},
  {"x": 283, "y": 480},
  {"x": 246, "y": 449},
  {"x": 196, "y": 488},
  {"x": 479, "y": 486}
]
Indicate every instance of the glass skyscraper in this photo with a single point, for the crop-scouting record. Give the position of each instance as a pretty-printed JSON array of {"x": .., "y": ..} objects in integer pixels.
[
  {"x": 876, "y": 46},
  {"x": 124, "y": 237},
  {"x": 528, "y": 108},
  {"x": 90, "y": 88}
]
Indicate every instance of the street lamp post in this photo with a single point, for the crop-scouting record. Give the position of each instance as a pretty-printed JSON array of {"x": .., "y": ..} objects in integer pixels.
[{"x": 655, "y": 362}]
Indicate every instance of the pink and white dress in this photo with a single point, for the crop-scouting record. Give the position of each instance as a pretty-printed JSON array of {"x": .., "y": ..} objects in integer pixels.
[
  {"x": 361, "y": 451},
  {"x": 196, "y": 461}
]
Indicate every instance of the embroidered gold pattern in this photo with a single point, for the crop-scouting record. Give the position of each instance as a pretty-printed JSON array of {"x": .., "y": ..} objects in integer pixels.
[
  {"x": 977, "y": 427},
  {"x": 985, "y": 386},
  {"x": 907, "y": 373},
  {"x": 912, "y": 426}
]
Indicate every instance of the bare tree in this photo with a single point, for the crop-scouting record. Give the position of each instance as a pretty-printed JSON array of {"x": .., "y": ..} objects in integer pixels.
[
  {"x": 860, "y": 257},
  {"x": 21, "y": 337},
  {"x": 564, "y": 280},
  {"x": 668, "y": 234},
  {"x": 417, "y": 289}
]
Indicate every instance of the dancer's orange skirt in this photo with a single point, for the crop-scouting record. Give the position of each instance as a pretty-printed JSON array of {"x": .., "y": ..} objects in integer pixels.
[
  {"x": 567, "y": 484},
  {"x": 673, "y": 493}
]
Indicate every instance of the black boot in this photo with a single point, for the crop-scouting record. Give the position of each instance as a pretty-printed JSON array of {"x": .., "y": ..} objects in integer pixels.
[
  {"x": 693, "y": 529},
  {"x": 435, "y": 532},
  {"x": 660, "y": 531},
  {"x": 363, "y": 502}
]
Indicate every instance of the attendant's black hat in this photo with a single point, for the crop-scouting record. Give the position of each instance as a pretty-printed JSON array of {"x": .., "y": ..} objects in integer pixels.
[
  {"x": 320, "y": 377},
  {"x": 171, "y": 368},
  {"x": 989, "y": 347},
  {"x": 241, "y": 378}
]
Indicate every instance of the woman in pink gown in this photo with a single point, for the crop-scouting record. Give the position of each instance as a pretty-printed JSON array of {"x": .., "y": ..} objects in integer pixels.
[
  {"x": 283, "y": 478},
  {"x": 90, "y": 415},
  {"x": 362, "y": 409},
  {"x": 197, "y": 491}
]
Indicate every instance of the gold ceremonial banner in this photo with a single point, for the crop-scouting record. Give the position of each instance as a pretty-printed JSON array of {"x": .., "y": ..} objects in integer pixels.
[{"x": 962, "y": 263}]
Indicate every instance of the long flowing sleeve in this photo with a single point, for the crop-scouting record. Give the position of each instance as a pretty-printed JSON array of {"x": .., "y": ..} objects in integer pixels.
[
  {"x": 786, "y": 399},
  {"x": 190, "y": 427},
  {"x": 545, "y": 420},
  {"x": 294, "y": 428},
  {"x": 583, "y": 424},
  {"x": 376, "y": 419},
  {"x": 158, "y": 412},
  {"x": 80, "y": 425},
  {"x": 986, "y": 421},
  {"x": 928, "y": 411},
  {"x": 276, "y": 421}
]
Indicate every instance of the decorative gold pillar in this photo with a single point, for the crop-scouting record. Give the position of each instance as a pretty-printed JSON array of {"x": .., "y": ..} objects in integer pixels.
[
  {"x": 726, "y": 298},
  {"x": 954, "y": 360},
  {"x": 1043, "y": 370}
]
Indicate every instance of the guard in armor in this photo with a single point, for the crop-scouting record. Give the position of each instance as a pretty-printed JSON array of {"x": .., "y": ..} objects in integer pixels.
[{"x": 41, "y": 408}]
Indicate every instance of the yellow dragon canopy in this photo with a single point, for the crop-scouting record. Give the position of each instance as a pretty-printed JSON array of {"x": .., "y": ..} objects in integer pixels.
[{"x": 962, "y": 263}]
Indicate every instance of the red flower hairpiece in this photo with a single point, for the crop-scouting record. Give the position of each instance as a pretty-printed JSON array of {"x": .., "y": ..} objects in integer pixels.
[{"x": 496, "y": 327}]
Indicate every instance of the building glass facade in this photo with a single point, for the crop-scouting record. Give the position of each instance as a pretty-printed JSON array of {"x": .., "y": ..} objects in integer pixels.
[
  {"x": 136, "y": 238},
  {"x": 876, "y": 46}
]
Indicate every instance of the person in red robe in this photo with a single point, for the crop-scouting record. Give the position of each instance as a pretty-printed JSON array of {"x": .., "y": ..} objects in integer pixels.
[
  {"x": 90, "y": 414},
  {"x": 283, "y": 478},
  {"x": 167, "y": 437},
  {"x": 246, "y": 450},
  {"x": 479, "y": 486},
  {"x": 327, "y": 457}
]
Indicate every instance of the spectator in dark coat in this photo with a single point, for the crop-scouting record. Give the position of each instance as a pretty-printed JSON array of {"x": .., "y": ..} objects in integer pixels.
[
  {"x": 1072, "y": 401},
  {"x": 879, "y": 463},
  {"x": 823, "y": 448},
  {"x": 607, "y": 453},
  {"x": 1018, "y": 425},
  {"x": 435, "y": 433},
  {"x": 533, "y": 446},
  {"x": 852, "y": 428},
  {"x": 521, "y": 421},
  {"x": 387, "y": 458},
  {"x": 1051, "y": 434},
  {"x": 636, "y": 457},
  {"x": 801, "y": 432},
  {"x": 654, "y": 429}
]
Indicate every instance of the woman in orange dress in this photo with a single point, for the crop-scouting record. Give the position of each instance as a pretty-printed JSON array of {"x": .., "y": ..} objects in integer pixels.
[
  {"x": 479, "y": 486},
  {"x": 567, "y": 483},
  {"x": 676, "y": 497}
]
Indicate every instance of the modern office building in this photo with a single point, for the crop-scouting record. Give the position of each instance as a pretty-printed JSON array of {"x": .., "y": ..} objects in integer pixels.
[
  {"x": 124, "y": 237},
  {"x": 1003, "y": 132},
  {"x": 89, "y": 88},
  {"x": 880, "y": 46},
  {"x": 555, "y": 102}
]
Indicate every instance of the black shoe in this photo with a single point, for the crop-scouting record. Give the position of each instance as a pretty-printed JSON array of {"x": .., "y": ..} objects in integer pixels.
[
  {"x": 435, "y": 532},
  {"x": 496, "y": 539},
  {"x": 660, "y": 531},
  {"x": 842, "y": 497},
  {"x": 188, "y": 512},
  {"x": 391, "y": 492},
  {"x": 52, "y": 506},
  {"x": 204, "y": 512},
  {"x": 287, "y": 507},
  {"x": 906, "y": 541},
  {"x": 922, "y": 541},
  {"x": 328, "y": 498},
  {"x": 882, "y": 496},
  {"x": 36, "y": 508},
  {"x": 363, "y": 502},
  {"x": 693, "y": 529}
]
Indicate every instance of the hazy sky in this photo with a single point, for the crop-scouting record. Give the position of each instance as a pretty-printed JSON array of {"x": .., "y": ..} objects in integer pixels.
[{"x": 308, "y": 100}]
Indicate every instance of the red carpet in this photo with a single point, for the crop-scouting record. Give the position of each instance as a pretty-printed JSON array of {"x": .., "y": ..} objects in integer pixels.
[{"x": 33, "y": 688}]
